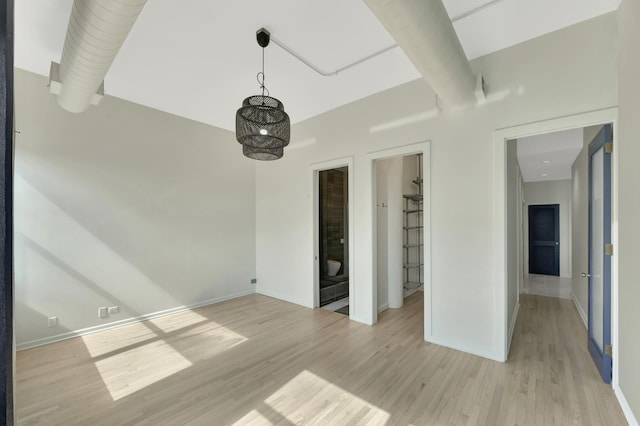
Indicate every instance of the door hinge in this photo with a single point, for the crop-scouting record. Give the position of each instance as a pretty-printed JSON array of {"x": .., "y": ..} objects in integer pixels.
[
  {"x": 608, "y": 249},
  {"x": 608, "y": 147},
  {"x": 608, "y": 349}
]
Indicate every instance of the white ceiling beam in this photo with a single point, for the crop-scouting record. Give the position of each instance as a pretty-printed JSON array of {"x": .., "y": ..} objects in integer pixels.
[
  {"x": 424, "y": 32},
  {"x": 96, "y": 32}
]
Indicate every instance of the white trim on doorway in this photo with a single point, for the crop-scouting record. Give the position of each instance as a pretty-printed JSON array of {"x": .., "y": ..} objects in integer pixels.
[
  {"x": 423, "y": 148},
  {"x": 316, "y": 168},
  {"x": 501, "y": 136}
]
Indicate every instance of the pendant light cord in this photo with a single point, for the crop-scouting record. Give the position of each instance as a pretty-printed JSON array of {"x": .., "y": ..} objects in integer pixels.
[{"x": 260, "y": 77}]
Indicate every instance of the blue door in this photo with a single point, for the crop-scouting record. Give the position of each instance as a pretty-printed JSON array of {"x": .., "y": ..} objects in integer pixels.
[
  {"x": 600, "y": 251},
  {"x": 544, "y": 239}
]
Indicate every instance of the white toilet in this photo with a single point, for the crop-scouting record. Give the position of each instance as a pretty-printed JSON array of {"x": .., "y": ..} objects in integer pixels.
[{"x": 333, "y": 266}]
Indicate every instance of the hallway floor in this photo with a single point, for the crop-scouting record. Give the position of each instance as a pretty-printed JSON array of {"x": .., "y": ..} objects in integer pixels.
[{"x": 547, "y": 285}]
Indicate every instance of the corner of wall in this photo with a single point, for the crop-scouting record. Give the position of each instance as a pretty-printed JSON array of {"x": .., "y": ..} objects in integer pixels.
[
  {"x": 284, "y": 297},
  {"x": 383, "y": 307},
  {"x": 464, "y": 347},
  {"x": 580, "y": 309},
  {"x": 512, "y": 327}
]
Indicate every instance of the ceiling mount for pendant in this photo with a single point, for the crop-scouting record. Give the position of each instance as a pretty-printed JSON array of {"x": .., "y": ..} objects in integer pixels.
[
  {"x": 262, "y": 125},
  {"x": 263, "y": 36}
]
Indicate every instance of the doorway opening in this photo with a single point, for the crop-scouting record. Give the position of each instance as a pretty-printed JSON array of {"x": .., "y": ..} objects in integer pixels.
[
  {"x": 555, "y": 216},
  {"x": 399, "y": 200},
  {"x": 333, "y": 233},
  {"x": 380, "y": 283}
]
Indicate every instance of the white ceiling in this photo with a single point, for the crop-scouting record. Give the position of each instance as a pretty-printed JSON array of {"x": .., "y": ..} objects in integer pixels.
[
  {"x": 550, "y": 156},
  {"x": 198, "y": 59}
]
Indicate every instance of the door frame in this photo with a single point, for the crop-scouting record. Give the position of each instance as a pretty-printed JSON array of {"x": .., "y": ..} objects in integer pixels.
[
  {"x": 556, "y": 225},
  {"x": 501, "y": 136},
  {"x": 316, "y": 168}
]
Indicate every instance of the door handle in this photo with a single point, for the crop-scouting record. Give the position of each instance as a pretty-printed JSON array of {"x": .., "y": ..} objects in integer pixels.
[
  {"x": 557, "y": 243},
  {"x": 585, "y": 275}
]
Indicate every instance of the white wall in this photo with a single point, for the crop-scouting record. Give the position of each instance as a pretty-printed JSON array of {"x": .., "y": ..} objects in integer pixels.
[
  {"x": 409, "y": 174},
  {"x": 394, "y": 178},
  {"x": 628, "y": 153},
  {"x": 562, "y": 73},
  {"x": 580, "y": 224},
  {"x": 514, "y": 234},
  {"x": 394, "y": 232},
  {"x": 382, "y": 206},
  {"x": 123, "y": 206},
  {"x": 551, "y": 192}
]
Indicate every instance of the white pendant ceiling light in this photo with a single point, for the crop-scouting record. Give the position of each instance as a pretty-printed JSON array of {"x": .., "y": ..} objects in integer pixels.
[
  {"x": 262, "y": 125},
  {"x": 96, "y": 32}
]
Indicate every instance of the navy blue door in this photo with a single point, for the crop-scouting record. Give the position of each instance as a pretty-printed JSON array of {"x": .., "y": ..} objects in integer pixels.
[
  {"x": 544, "y": 239},
  {"x": 600, "y": 251}
]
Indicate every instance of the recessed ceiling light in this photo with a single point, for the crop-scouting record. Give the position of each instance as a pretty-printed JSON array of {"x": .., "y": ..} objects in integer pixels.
[
  {"x": 546, "y": 161},
  {"x": 545, "y": 174}
]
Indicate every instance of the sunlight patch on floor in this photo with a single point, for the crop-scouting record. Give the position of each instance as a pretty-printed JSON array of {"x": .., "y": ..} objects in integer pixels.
[
  {"x": 175, "y": 322},
  {"x": 114, "y": 339},
  {"x": 310, "y": 399},
  {"x": 221, "y": 339},
  {"x": 128, "y": 372}
]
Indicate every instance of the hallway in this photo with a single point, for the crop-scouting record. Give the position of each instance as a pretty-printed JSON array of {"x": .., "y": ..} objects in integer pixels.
[
  {"x": 551, "y": 367},
  {"x": 547, "y": 285}
]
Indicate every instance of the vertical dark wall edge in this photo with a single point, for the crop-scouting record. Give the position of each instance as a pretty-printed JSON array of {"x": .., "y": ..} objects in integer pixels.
[{"x": 6, "y": 213}]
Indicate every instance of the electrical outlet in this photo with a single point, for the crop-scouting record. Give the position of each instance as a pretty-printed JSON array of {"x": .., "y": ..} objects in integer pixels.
[
  {"x": 254, "y": 280},
  {"x": 52, "y": 322},
  {"x": 102, "y": 312},
  {"x": 113, "y": 309}
]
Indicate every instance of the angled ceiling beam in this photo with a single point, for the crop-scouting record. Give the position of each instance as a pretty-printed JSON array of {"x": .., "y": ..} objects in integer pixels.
[
  {"x": 96, "y": 32},
  {"x": 424, "y": 32}
]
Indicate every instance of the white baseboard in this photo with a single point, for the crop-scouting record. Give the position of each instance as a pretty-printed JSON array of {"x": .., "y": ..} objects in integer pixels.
[
  {"x": 383, "y": 307},
  {"x": 284, "y": 297},
  {"x": 463, "y": 347},
  {"x": 512, "y": 327},
  {"x": 361, "y": 320},
  {"x": 115, "y": 324},
  {"x": 626, "y": 409},
  {"x": 583, "y": 315}
]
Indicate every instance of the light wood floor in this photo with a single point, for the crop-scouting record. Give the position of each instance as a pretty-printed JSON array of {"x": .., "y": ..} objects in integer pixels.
[{"x": 256, "y": 360}]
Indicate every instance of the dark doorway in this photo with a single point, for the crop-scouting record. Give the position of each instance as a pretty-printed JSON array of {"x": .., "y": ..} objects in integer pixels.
[
  {"x": 333, "y": 230},
  {"x": 544, "y": 235}
]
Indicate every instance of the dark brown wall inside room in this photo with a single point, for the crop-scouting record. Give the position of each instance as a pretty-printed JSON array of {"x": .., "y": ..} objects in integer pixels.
[{"x": 332, "y": 216}]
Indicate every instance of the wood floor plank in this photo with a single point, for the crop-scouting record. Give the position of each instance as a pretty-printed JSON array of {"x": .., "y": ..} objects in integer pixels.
[{"x": 257, "y": 360}]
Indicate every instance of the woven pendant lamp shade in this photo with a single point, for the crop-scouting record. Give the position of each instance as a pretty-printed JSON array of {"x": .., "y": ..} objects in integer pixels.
[
  {"x": 263, "y": 154},
  {"x": 262, "y": 123},
  {"x": 262, "y": 126}
]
